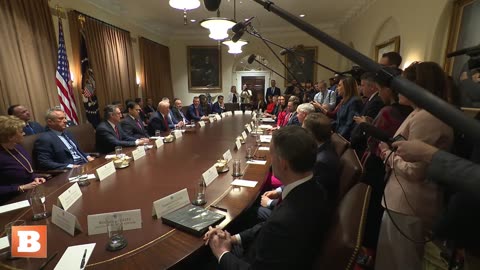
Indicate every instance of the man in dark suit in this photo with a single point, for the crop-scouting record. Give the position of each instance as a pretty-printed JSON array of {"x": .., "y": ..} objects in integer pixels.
[
  {"x": 293, "y": 235},
  {"x": 143, "y": 116},
  {"x": 149, "y": 108},
  {"x": 109, "y": 133},
  {"x": 273, "y": 90},
  {"x": 160, "y": 120},
  {"x": 132, "y": 124},
  {"x": 178, "y": 116},
  {"x": 219, "y": 106},
  {"x": 195, "y": 112},
  {"x": 56, "y": 149},
  {"x": 31, "y": 127}
]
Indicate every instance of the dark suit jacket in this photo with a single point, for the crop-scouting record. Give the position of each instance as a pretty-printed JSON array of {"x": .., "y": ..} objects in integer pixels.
[
  {"x": 217, "y": 109},
  {"x": 157, "y": 122},
  {"x": 291, "y": 237},
  {"x": 106, "y": 138},
  {"x": 51, "y": 153},
  {"x": 37, "y": 128},
  {"x": 326, "y": 168},
  {"x": 177, "y": 115},
  {"x": 191, "y": 115},
  {"x": 148, "y": 110},
  {"x": 131, "y": 128},
  {"x": 344, "y": 122},
  {"x": 272, "y": 92},
  {"x": 293, "y": 121},
  {"x": 372, "y": 107}
]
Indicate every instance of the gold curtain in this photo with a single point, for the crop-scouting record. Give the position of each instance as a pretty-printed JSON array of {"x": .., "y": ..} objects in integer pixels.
[
  {"x": 111, "y": 56},
  {"x": 155, "y": 70},
  {"x": 28, "y": 56}
]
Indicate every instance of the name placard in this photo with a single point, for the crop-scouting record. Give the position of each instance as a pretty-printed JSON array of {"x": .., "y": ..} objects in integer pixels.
[
  {"x": 210, "y": 175},
  {"x": 265, "y": 138},
  {"x": 238, "y": 112},
  {"x": 131, "y": 219},
  {"x": 211, "y": 119},
  {"x": 138, "y": 153},
  {"x": 4, "y": 242},
  {"x": 105, "y": 171},
  {"x": 69, "y": 196},
  {"x": 178, "y": 134},
  {"x": 248, "y": 112},
  {"x": 158, "y": 143},
  {"x": 238, "y": 144},
  {"x": 244, "y": 135},
  {"x": 65, "y": 220},
  {"x": 170, "y": 203},
  {"x": 228, "y": 155},
  {"x": 224, "y": 114},
  {"x": 201, "y": 123},
  {"x": 249, "y": 128},
  {"x": 218, "y": 117},
  {"x": 229, "y": 113}
]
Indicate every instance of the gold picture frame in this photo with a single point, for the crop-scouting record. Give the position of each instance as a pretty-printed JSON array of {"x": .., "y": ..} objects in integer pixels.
[
  {"x": 204, "y": 69},
  {"x": 301, "y": 64},
  {"x": 391, "y": 45}
]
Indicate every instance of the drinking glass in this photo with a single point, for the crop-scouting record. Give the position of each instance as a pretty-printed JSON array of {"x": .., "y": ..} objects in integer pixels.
[
  {"x": 157, "y": 133},
  {"x": 37, "y": 202},
  {"x": 237, "y": 170},
  {"x": 200, "y": 193},
  {"x": 118, "y": 151},
  {"x": 249, "y": 152},
  {"x": 116, "y": 240}
]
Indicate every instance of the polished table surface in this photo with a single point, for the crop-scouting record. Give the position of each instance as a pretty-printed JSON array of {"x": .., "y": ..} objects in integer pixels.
[{"x": 163, "y": 171}]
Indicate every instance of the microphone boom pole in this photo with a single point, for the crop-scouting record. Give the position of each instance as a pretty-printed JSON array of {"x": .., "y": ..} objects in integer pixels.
[
  {"x": 267, "y": 67},
  {"x": 421, "y": 97}
]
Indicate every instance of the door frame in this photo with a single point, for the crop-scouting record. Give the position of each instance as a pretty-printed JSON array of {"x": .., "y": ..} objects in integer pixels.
[{"x": 265, "y": 74}]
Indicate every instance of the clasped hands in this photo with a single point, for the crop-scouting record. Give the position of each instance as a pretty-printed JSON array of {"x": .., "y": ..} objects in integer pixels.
[
  {"x": 269, "y": 195},
  {"x": 220, "y": 241}
]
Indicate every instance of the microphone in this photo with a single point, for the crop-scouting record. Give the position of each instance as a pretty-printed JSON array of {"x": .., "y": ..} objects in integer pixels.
[
  {"x": 251, "y": 58},
  {"x": 237, "y": 36},
  {"x": 286, "y": 50},
  {"x": 212, "y": 5},
  {"x": 292, "y": 49},
  {"x": 240, "y": 26}
]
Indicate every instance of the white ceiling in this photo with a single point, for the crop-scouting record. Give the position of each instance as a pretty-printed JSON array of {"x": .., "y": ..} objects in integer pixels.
[{"x": 158, "y": 17}]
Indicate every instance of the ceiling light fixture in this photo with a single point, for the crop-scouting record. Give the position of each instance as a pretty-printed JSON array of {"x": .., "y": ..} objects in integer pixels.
[
  {"x": 218, "y": 27},
  {"x": 235, "y": 47},
  {"x": 301, "y": 15},
  {"x": 184, "y": 5}
]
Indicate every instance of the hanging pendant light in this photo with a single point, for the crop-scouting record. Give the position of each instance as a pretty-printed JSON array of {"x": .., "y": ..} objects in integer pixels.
[
  {"x": 235, "y": 47},
  {"x": 184, "y": 5},
  {"x": 218, "y": 27}
]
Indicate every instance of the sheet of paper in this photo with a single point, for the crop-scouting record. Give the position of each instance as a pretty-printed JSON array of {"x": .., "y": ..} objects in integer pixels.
[
  {"x": 72, "y": 258},
  {"x": 110, "y": 156},
  {"x": 132, "y": 219},
  {"x": 244, "y": 183},
  {"x": 105, "y": 171},
  {"x": 178, "y": 134},
  {"x": 156, "y": 137},
  {"x": 4, "y": 242},
  {"x": 138, "y": 153},
  {"x": 65, "y": 220},
  {"x": 264, "y": 148},
  {"x": 70, "y": 196},
  {"x": 14, "y": 206},
  {"x": 210, "y": 175},
  {"x": 170, "y": 203},
  {"x": 265, "y": 126},
  {"x": 266, "y": 138},
  {"x": 75, "y": 178},
  {"x": 257, "y": 162},
  {"x": 267, "y": 120},
  {"x": 227, "y": 155}
]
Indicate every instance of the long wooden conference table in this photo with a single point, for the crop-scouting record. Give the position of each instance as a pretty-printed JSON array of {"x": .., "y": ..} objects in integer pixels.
[{"x": 163, "y": 171}]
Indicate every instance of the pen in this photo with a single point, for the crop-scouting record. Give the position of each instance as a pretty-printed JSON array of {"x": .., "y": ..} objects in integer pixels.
[
  {"x": 48, "y": 260},
  {"x": 219, "y": 208},
  {"x": 82, "y": 264}
]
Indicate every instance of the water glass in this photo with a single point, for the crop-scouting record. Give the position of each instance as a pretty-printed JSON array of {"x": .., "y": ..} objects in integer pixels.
[
  {"x": 116, "y": 241},
  {"x": 118, "y": 151},
  {"x": 200, "y": 190},
  {"x": 157, "y": 133},
  {"x": 237, "y": 170},
  {"x": 249, "y": 153},
  {"x": 37, "y": 202}
]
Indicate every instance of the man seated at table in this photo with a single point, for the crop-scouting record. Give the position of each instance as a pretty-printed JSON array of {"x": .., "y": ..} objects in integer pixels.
[
  {"x": 132, "y": 124},
  {"x": 31, "y": 127},
  {"x": 195, "y": 112},
  {"x": 293, "y": 235},
  {"x": 326, "y": 166},
  {"x": 160, "y": 120},
  {"x": 219, "y": 106},
  {"x": 110, "y": 134},
  {"x": 56, "y": 149},
  {"x": 177, "y": 112}
]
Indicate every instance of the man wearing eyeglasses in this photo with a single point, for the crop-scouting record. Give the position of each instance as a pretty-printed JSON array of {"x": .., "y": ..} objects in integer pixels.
[{"x": 132, "y": 125}]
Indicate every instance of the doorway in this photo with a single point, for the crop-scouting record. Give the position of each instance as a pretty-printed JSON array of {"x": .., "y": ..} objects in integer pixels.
[{"x": 256, "y": 84}]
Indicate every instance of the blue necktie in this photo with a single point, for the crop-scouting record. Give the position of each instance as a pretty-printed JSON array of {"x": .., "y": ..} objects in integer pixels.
[{"x": 74, "y": 147}]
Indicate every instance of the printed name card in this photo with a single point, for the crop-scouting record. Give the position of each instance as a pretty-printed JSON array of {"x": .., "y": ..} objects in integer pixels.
[
  {"x": 105, "y": 171},
  {"x": 158, "y": 143},
  {"x": 70, "y": 196},
  {"x": 228, "y": 155},
  {"x": 210, "y": 175},
  {"x": 224, "y": 114},
  {"x": 170, "y": 203},
  {"x": 244, "y": 135},
  {"x": 4, "y": 242},
  {"x": 201, "y": 123},
  {"x": 211, "y": 119},
  {"x": 229, "y": 113},
  {"x": 65, "y": 220},
  {"x": 218, "y": 117},
  {"x": 265, "y": 138},
  {"x": 249, "y": 128},
  {"x": 178, "y": 134},
  {"x": 238, "y": 144},
  {"x": 238, "y": 112},
  {"x": 138, "y": 153},
  {"x": 248, "y": 112},
  {"x": 131, "y": 220},
  {"x": 14, "y": 206}
]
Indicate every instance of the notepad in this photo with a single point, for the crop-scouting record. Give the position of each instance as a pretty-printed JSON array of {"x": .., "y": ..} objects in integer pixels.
[
  {"x": 72, "y": 258},
  {"x": 14, "y": 206},
  {"x": 244, "y": 183}
]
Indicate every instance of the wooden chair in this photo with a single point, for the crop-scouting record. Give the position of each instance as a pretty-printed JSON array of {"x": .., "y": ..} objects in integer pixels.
[
  {"x": 345, "y": 236},
  {"x": 28, "y": 143},
  {"x": 341, "y": 144},
  {"x": 351, "y": 171},
  {"x": 230, "y": 107}
]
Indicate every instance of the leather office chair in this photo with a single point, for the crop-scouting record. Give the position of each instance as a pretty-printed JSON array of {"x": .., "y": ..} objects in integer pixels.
[
  {"x": 230, "y": 107},
  {"x": 345, "y": 236},
  {"x": 351, "y": 171},
  {"x": 28, "y": 143},
  {"x": 341, "y": 144},
  {"x": 84, "y": 134}
]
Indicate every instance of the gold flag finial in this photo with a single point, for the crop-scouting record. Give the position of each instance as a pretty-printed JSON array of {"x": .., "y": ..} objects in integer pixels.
[{"x": 81, "y": 19}]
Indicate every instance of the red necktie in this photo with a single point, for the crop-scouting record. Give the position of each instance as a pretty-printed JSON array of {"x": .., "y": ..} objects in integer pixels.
[
  {"x": 138, "y": 124},
  {"x": 116, "y": 131},
  {"x": 196, "y": 112}
]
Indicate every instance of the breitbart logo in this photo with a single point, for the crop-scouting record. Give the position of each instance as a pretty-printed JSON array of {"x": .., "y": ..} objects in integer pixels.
[{"x": 29, "y": 241}]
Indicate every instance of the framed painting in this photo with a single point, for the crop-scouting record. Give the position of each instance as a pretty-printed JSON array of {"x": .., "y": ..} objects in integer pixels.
[
  {"x": 204, "y": 69},
  {"x": 302, "y": 65},
  {"x": 391, "y": 45}
]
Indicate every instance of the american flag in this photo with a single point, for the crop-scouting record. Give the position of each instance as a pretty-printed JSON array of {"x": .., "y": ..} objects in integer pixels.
[{"x": 64, "y": 89}]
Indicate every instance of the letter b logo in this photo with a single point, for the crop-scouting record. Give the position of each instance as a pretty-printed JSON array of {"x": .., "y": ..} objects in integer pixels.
[{"x": 29, "y": 241}]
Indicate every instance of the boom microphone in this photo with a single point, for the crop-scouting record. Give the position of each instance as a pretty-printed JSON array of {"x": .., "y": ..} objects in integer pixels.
[
  {"x": 212, "y": 5},
  {"x": 240, "y": 26},
  {"x": 470, "y": 50},
  {"x": 251, "y": 58},
  {"x": 292, "y": 49},
  {"x": 237, "y": 36}
]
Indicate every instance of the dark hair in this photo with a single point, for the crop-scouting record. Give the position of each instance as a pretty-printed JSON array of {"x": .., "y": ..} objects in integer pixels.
[
  {"x": 368, "y": 76},
  {"x": 394, "y": 58},
  {"x": 127, "y": 101},
  {"x": 297, "y": 146},
  {"x": 319, "y": 125},
  {"x": 138, "y": 100},
  {"x": 430, "y": 76},
  {"x": 12, "y": 108},
  {"x": 116, "y": 102},
  {"x": 220, "y": 96},
  {"x": 131, "y": 105},
  {"x": 350, "y": 88},
  {"x": 383, "y": 83},
  {"x": 108, "y": 111}
]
